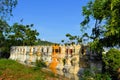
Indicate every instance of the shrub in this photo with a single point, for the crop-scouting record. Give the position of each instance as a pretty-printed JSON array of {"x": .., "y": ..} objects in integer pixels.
[
  {"x": 40, "y": 64},
  {"x": 112, "y": 62},
  {"x": 90, "y": 75}
]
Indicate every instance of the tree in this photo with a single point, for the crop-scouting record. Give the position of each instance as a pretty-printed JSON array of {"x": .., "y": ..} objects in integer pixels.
[
  {"x": 112, "y": 62},
  {"x": 6, "y": 7},
  {"x": 76, "y": 39},
  {"x": 113, "y": 28},
  {"x": 62, "y": 41},
  {"x": 71, "y": 38},
  {"x": 23, "y": 35},
  {"x": 106, "y": 30},
  {"x": 4, "y": 29},
  {"x": 107, "y": 20},
  {"x": 16, "y": 35}
]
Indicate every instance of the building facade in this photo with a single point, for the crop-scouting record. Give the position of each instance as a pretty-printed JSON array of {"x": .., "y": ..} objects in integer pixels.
[{"x": 56, "y": 57}]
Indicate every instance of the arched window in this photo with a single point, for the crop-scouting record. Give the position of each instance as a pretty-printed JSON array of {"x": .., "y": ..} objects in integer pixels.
[
  {"x": 59, "y": 49},
  {"x": 47, "y": 49},
  {"x": 42, "y": 49},
  {"x": 52, "y": 49},
  {"x": 56, "y": 50},
  {"x": 71, "y": 51},
  {"x": 67, "y": 51}
]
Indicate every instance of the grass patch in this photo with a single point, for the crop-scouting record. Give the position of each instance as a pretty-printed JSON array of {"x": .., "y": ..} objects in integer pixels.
[{"x": 12, "y": 70}]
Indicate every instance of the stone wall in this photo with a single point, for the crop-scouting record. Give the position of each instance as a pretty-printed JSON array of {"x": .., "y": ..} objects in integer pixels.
[{"x": 63, "y": 57}]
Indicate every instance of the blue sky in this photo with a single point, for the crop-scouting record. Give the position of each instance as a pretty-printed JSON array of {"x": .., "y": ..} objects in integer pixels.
[{"x": 53, "y": 19}]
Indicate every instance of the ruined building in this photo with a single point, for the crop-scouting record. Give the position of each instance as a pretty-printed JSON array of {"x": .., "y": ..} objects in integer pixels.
[{"x": 56, "y": 57}]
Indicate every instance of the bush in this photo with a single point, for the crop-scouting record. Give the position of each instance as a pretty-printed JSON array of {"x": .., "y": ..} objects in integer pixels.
[
  {"x": 90, "y": 75},
  {"x": 111, "y": 61},
  {"x": 40, "y": 64}
]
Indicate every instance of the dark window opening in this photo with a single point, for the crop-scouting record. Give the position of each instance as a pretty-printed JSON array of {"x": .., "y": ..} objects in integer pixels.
[
  {"x": 82, "y": 51},
  {"x": 47, "y": 50},
  {"x": 59, "y": 50},
  {"x": 42, "y": 50},
  {"x": 56, "y": 50},
  {"x": 53, "y": 50},
  {"x": 71, "y": 51},
  {"x": 66, "y": 50}
]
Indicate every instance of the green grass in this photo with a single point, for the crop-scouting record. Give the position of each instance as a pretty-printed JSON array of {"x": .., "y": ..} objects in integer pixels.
[{"x": 13, "y": 70}]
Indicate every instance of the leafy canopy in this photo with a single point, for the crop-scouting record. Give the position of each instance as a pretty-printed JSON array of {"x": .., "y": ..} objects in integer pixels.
[
  {"x": 6, "y": 7},
  {"x": 23, "y": 34},
  {"x": 112, "y": 61},
  {"x": 105, "y": 15}
]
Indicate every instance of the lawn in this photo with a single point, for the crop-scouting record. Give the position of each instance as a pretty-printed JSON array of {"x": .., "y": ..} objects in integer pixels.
[{"x": 12, "y": 70}]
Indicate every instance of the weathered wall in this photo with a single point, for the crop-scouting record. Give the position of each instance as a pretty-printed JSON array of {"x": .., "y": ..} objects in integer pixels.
[{"x": 66, "y": 57}]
